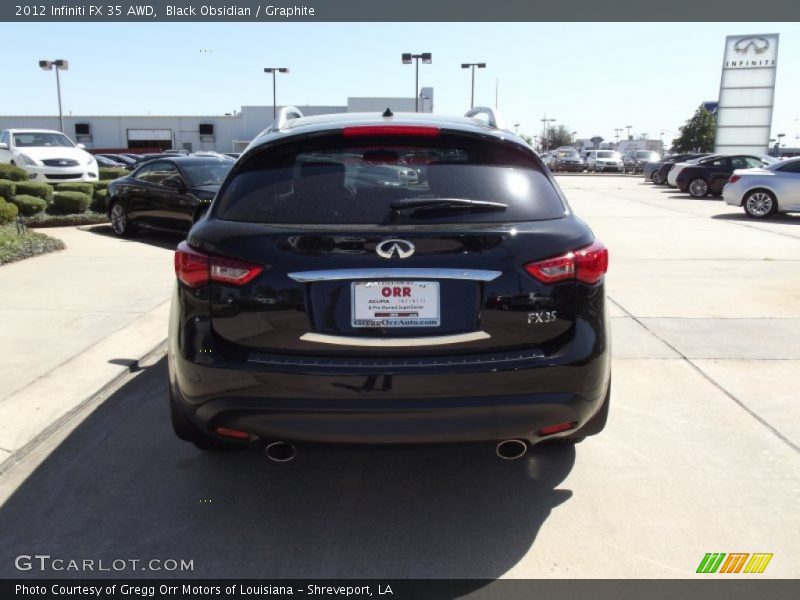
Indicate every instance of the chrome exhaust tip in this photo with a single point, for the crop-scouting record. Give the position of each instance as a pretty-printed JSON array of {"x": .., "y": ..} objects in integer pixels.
[
  {"x": 280, "y": 451},
  {"x": 511, "y": 449}
]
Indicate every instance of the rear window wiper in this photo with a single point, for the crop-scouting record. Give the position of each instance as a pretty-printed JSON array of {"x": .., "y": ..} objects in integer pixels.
[{"x": 435, "y": 204}]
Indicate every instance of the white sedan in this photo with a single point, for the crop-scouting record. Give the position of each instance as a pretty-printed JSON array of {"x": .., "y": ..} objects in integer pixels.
[
  {"x": 47, "y": 155},
  {"x": 765, "y": 191}
]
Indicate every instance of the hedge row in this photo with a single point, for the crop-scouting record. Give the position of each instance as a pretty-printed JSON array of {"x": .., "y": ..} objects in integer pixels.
[
  {"x": 8, "y": 211},
  {"x": 33, "y": 197},
  {"x": 106, "y": 173},
  {"x": 69, "y": 203},
  {"x": 29, "y": 205},
  {"x": 13, "y": 173}
]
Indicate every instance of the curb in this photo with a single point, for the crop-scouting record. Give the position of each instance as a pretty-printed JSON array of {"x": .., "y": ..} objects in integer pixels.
[{"x": 76, "y": 412}]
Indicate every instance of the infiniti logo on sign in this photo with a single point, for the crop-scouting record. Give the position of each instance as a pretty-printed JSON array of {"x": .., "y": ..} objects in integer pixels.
[
  {"x": 388, "y": 248},
  {"x": 759, "y": 45}
]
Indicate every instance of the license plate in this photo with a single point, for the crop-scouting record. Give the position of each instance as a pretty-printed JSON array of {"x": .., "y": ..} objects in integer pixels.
[{"x": 395, "y": 304}]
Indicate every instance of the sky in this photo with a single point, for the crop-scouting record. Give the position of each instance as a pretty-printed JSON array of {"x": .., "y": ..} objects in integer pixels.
[{"x": 591, "y": 77}]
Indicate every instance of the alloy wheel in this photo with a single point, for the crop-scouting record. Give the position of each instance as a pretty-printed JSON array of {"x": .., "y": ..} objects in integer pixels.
[
  {"x": 759, "y": 205},
  {"x": 698, "y": 188},
  {"x": 119, "y": 220}
]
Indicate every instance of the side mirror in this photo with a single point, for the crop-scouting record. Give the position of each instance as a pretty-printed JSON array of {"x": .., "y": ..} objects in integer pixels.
[
  {"x": 81, "y": 146},
  {"x": 3, "y": 146}
]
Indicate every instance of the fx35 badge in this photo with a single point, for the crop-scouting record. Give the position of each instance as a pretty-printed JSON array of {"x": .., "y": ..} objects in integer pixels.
[{"x": 541, "y": 316}]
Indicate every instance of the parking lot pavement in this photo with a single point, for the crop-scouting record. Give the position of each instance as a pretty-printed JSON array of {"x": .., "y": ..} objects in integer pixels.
[
  {"x": 700, "y": 453},
  {"x": 73, "y": 320}
]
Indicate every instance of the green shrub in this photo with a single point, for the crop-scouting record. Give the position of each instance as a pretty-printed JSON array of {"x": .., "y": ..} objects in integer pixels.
[
  {"x": 7, "y": 188},
  {"x": 13, "y": 173},
  {"x": 106, "y": 173},
  {"x": 70, "y": 203},
  {"x": 29, "y": 205},
  {"x": 8, "y": 212},
  {"x": 99, "y": 201},
  {"x": 83, "y": 188},
  {"x": 36, "y": 188},
  {"x": 102, "y": 184}
]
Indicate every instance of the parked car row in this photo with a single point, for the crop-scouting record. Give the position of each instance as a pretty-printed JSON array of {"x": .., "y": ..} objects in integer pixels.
[
  {"x": 131, "y": 161},
  {"x": 568, "y": 158},
  {"x": 761, "y": 185}
]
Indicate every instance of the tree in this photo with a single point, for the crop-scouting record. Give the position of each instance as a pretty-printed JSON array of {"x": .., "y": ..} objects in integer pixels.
[
  {"x": 698, "y": 133},
  {"x": 560, "y": 136},
  {"x": 596, "y": 140},
  {"x": 528, "y": 139}
]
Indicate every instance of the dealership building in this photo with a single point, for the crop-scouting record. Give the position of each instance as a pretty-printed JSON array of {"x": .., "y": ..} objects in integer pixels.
[{"x": 222, "y": 133}]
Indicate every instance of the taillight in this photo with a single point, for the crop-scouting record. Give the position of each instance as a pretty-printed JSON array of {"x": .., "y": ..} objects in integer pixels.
[
  {"x": 380, "y": 130},
  {"x": 587, "y": 265},
  {"x": 191, "y": 266},
  {"x": 195, "y": 269},
  {"x": 734, "y": 178}
]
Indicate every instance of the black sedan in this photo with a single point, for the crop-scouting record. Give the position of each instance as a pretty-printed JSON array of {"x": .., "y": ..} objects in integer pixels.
[
  {"x": 657, "y": 171},
  {"x": 710, "y": 175},
  {"x": 316, "y": 306},
  {"x": 169, "y": 193}
]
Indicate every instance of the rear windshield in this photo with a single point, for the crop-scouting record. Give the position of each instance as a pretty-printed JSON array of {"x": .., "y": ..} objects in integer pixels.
[{"x": 338, "y": 180}]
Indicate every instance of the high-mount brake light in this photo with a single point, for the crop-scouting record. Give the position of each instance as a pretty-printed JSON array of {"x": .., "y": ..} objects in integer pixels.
[
  {"x": 390, "y": 130},
  {"x": 195, "y": 269},
  {"x": 587, "y": 265}
]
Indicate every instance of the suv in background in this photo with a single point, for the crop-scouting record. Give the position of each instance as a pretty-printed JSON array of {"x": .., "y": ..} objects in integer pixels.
[
  {"x": 324, "y": 299},
  {"x": 567, "y": 159},
  {"x": 604, "y": 160},
  {"x": 635, "y": 161},
  {"x": 47, "y": 155}
]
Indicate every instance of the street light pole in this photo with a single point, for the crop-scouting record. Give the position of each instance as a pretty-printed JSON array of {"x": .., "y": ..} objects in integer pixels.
[
  {"x": 472, "y": 66},
  {"x": 629, "y": 127},
  {"x": 545, "y": 140},
  {"x": 275, "y": 71},
  {"x": 426, "y": 60},
  {"x": 60, "y": 65}
]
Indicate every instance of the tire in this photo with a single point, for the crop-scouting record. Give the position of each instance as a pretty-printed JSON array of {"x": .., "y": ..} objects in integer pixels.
[
  {"x": 120, "y": 223},
  {"x": 698, "y": 188},
  {"x": 760, "y": 204},
  {"x": 186, "y": 430},
  {"x": 656, "y": 178}
]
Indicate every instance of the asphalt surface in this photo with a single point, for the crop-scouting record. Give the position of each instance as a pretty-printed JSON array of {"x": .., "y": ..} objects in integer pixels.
[{"x": 700, "y": 454}]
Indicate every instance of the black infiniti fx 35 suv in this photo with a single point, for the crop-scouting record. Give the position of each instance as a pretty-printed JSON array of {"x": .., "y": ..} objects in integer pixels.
[{"x": 389, "y": 279}]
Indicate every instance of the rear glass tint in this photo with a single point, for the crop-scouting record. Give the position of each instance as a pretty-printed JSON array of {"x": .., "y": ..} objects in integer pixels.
[{"x": 337, "y": 180}]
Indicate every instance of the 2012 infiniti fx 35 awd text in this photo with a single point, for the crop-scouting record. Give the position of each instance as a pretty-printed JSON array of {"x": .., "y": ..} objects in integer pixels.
[{"x": 389, "y": 279}]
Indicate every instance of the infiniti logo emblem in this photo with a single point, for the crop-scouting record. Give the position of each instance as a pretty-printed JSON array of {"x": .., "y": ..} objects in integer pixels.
[
  {"x": 388, "y": 248},
  {"x": 759, "y": 45}
]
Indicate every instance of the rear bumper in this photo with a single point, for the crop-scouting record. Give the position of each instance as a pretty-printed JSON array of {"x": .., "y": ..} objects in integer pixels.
[
  {"x": 386, "y": 421},
  {"x": 512, "y": 398}
]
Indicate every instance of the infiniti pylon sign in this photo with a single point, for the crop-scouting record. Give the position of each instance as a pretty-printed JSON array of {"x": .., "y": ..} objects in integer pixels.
[{"x": 746, "y": 94}]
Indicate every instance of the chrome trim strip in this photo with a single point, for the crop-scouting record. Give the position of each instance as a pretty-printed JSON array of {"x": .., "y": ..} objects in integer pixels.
[
  {"x": 439, "y": 340},
  {"x": 377, "y": 274}
]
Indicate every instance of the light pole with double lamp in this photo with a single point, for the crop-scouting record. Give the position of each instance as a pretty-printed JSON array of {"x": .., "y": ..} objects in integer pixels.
[
  {"x": 546, "y": 132},
  {"x": 275, "y": 71},
  {"x": 427, "y": 59},
  {"x": 60, "y": 65},
  {"x": 473, "y": 65}
]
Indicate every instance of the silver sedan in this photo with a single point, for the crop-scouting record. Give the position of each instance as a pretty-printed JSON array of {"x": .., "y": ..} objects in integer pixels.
[{"x": 765, "y": 191}]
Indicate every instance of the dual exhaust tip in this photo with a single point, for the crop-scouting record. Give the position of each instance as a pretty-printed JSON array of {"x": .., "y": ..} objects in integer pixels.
[
  {"x": 511, "y": 449},
  {"x": 282, "y": 452}
]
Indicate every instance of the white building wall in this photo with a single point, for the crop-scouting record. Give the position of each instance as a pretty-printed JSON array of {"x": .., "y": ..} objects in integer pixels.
[{"x": 231, "y": 132}]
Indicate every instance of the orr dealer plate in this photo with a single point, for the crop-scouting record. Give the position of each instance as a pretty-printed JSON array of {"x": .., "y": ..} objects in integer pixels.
[{"x": 395, "y": 304}]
